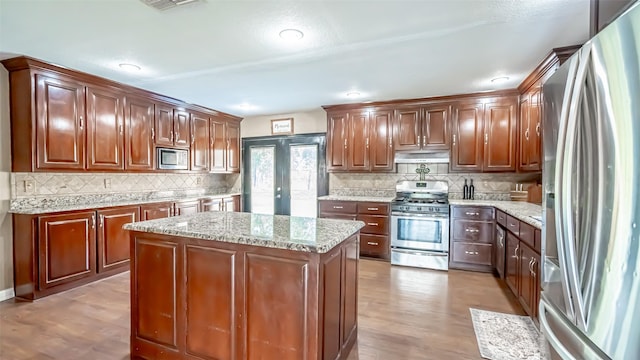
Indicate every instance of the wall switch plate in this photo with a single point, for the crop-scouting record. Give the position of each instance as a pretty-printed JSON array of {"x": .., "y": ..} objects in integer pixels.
[
  {"x": 29, "y": 186},
  {"x": 107, "y": 183}
]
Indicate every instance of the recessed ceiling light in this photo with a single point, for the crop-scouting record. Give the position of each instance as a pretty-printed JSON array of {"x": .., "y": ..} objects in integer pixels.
[
  {"x": 245, "y": 106},
  {"x": 130, "y": 67},
  {"x": 500, "y": 79},
  {"x": 291, "y": 34},
  {"x": 353, "y": 94}
]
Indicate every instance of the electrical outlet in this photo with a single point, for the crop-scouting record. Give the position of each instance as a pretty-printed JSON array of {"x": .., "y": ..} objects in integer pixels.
[
  {"x": 29, "y": 186},
  {"x": 198, "y": 180},
  {"x": 107, "y": 183}
]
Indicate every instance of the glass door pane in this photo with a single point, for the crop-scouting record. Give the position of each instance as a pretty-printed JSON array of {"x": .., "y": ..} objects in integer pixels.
[
  {"x": 303, "y": 180},
  {"x": 262, "y": 167}
]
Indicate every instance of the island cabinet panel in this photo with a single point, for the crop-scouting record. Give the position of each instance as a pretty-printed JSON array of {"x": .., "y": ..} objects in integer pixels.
[
  {"x": 139, "y": 134},
  {"x": 61, "y": 123},
  {"x": 276, "y": 306},
  {"x": 67, "y": 248},
  {"x": 105, "y": 129},
  {"x": 210, "y": 334},
  {"x": 349, "y": 282},
  {"x": 157, "y": 299},
  {"x": 332, "y": 305},
  {"x": 113, "y": 240}
]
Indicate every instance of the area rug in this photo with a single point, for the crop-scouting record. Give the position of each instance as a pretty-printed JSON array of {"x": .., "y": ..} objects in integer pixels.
[{"x": 508, "y": 337}]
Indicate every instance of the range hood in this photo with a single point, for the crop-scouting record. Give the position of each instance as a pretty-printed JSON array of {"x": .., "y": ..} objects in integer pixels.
[{"x": 431, "y": 157}]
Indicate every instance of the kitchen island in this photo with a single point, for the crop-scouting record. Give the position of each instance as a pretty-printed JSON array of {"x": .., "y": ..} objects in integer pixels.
[{"x": 243, "y": 286}]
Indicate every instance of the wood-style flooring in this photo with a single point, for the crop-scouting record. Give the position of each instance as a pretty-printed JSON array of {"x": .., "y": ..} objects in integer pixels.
[{"x": 404, "y": 314}]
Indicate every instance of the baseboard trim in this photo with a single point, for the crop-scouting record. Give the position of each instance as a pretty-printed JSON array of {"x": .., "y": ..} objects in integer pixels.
[{"x": 7, "y": 294}]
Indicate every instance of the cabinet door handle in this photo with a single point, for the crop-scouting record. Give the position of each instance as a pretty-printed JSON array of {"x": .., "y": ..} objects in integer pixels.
[
  {"x": 486, "y": 138},
  {"x": 172, "y": 136},
  {"x": 367, "y": 142},
  {"x": 454, "y": 139},
  {"x": 372, "y": 209},
  {"x": 177, "y": 135},
  {"x": 193, "y": 138},
  {"x": 121, "y": 129},
  {"x": 93, "y": 221},
  {"x": 533, "y": 271},
  {"x": 101, "y": 220},
  {"x": 515, "y": 253},
  {"x": 471, "y": 252},
  {"x": 338, "y": 207},
  {"x": 526, "y": 134},
  {"x": 372, "y": 243},
  {"x": 513, "y": 225},
  {"x": 81, "y": 122},
  {"x": 345, "y": 143},
  {"x": 153, "y": 134},
  {"x": 471, "y": 230},
  {"x": 372, "y": 224},
  {"x": 390, "y": 142},
  {"x": 501, "y": 238},
  {"x": 424, "y": 140},
  {"x": 538, "y": 129},
  {"x": 472, "y": 213}
]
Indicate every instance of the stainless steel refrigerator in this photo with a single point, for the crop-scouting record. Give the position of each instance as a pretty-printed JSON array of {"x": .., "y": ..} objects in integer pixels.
[{"x": 590, "y": 302}]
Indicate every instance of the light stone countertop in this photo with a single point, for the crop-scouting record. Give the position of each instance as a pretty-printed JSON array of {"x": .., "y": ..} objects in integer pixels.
[
  {"x": 386, "y": 199},
  {"x": 59, "y": 205},
  {"x": 519, "y": 209},
  {"x": 273, "y": 231}
]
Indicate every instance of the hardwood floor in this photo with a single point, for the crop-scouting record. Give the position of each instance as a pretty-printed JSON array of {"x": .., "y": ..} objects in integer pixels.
[{"x": 404, "y": 314}]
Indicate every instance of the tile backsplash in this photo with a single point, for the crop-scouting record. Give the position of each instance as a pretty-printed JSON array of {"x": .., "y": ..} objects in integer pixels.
[
  {"x": 487, "y": 185},
  {"x": 33, "y": 184}
]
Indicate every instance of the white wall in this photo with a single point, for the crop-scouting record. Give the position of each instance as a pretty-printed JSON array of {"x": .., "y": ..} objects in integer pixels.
[
  {"x": 314, "y": 121},
  {"x": 6, "y": 239}
]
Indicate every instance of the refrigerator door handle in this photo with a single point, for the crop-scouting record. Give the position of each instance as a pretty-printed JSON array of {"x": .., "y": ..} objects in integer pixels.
[
  {"x": 549, "y": 334},
  {"x": 570, "y": 223}
]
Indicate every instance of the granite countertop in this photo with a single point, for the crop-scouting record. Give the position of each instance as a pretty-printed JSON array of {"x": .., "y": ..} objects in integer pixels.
[
  {"x": 384, "y": 199},
  {"x": 273, "y": 231},
  {"x": 521, "y": 210},
  {"x": 59, "y": 205}
]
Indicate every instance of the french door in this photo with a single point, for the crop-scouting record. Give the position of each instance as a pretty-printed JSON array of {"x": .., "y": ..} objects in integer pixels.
[{"x": 284, "y": 175}]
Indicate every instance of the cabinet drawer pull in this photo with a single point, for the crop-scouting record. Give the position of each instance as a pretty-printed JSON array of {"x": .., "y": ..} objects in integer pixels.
[
  {"x": 372, "y": 243},
  {"x": 101, "y": 220},
  {"x": 533, "y": 271},
  {"x": 513, "y": 225},
  {"x": 538, "y": 129},
  {"x": 471, "y": 252},
  {"x": 372, "y": 209},
  {"x": 531, "y": 266},
  {"x": 471, "y": 230},
  {"x": 372, "y": 224},
  {"x": 515, "y": 253},
  {"x": 486, "y": 138},
  {"x": 153, "y": 134},
  {"x": 81, "y": 122},
  {"x": 338, "y": 207},
  {"x": 193, "y": 138},
  {"x": 93, "y": 221},
  {"x": 472, "y": 213},
  {"x": 454, "y": 139},
  {"x": 121, "y": 129}
]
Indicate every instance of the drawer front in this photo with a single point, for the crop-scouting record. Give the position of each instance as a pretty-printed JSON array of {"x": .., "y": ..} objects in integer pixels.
[
  {"x": 345, "y": 207},
  {"x": 473, "y": 212},
  {"x": 473, "y": 231},
  {"x": 479, "y": 254},
  {"x": 374, "y": 245},
  {"x": 378, "y": 225},
  {"x": 501, "y": 218},
  {"x": 513, "y": 225},
  {"x": 527, "y": 234},
  {"x": 367, "y": 208}
]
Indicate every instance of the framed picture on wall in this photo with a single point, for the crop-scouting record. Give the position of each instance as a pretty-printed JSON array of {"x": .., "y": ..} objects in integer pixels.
[{"x": 282, "y": 126}]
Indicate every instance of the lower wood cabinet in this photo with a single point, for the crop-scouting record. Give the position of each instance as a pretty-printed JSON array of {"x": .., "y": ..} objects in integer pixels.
[
  {"x": 186, "y": 207},
  {"x": 374, "y": 236},
  {"x": 156, "y": 211},
  {"x": 231, "y": 203},
  {"x": 113, "y": 240},
  {"x": 471, "y": 238}
]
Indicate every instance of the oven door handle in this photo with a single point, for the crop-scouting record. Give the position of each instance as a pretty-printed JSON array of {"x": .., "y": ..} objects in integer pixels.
[
  {"x": 420, "y": 252},
  {"x": 414, "y": 215}
]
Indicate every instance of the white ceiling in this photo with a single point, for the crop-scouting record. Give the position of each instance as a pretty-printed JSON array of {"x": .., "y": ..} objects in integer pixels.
[{"x": 222, "y": 54}]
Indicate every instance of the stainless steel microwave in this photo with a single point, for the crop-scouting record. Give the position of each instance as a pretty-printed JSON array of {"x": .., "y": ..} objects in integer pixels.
[{"x": 172, "y": 159}]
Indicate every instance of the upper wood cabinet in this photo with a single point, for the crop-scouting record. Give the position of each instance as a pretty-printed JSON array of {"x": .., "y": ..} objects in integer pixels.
[
  {"x": 530, "y": 134},
  {"x": 218, "y": 145},
  {"x": 422, "y": 127},
  {"x": 105, "y": 129},
  {"x": 60, "y": 124},
  {"x": 484, "y": 135},
  {"x": 360, "y": 141},
  {"x": 199, "y": 142},
  {"x": 65, "y": 120},
  {"x": 139, "y": 134}
]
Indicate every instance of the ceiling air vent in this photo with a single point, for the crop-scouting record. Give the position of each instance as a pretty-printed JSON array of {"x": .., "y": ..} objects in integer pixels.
[{"x": 167, "y": 4}]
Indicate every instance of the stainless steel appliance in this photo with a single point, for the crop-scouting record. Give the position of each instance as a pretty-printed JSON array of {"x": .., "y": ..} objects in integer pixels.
[
  {"x": 420, "y": 224},
  {"x": 590, "y": 302},
  {"x": 173, "y": 159}
]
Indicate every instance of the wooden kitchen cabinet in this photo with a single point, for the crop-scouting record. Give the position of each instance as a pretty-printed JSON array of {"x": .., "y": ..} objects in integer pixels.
[
  {"x": 484, "y": 135},
  {"x": 471, "y": 233},
  {"x": 500, "y": 250},
  {"x": 67, "y": 248},
  {"x": 528, "y": 279},
  {"x": 186, "y": 207},
  {"x": 233, "y": 147},
  {"x": 156, "y": 211},
  {"x": 113, "y": 240},
  {"x": 139, "y": 134},
  {"x": 211, "y": 204},
  {"x": 422, "y": 127},
  {"x": 105, "y": 129},
  {"x": 360, "y": 141},
  {"x": 218, "y": 145},
  {"x": 164, "y": 125},
  {"x": 530, "y": 134},
  {"x": 511, "y": 267},
  {"x": 232, "y": 203},
  {"x": 199, "y": 142},
  {"x": 374, "y": 236},
  {"x": 60, "y": 124},
  {"x": 181, "y": 128}
]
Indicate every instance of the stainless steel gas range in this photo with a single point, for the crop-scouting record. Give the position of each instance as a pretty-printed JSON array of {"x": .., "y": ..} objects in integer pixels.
[{"x": 420, "y": 225}]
